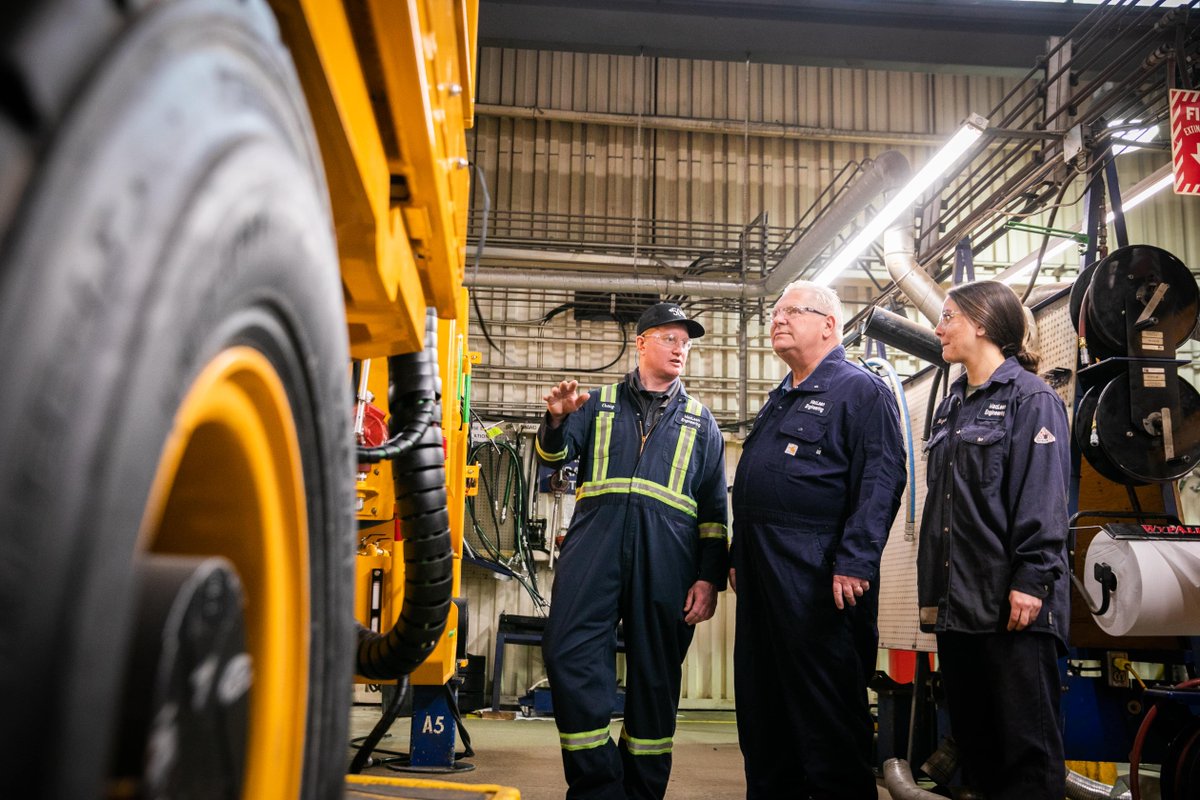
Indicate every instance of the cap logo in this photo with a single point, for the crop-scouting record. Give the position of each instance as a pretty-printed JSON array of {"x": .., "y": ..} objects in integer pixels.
[{"x": 676, "y": 312}]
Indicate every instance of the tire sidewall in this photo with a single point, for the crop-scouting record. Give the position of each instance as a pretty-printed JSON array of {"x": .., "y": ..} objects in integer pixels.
[{"x": 181, "y": 210}]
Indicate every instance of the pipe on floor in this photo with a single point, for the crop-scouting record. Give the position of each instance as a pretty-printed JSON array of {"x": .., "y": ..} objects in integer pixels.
[{"x": 897, "y": 777}]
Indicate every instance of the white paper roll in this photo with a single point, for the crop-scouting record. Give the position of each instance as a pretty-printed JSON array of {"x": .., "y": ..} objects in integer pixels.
[{"x": 1158, "y": 586}]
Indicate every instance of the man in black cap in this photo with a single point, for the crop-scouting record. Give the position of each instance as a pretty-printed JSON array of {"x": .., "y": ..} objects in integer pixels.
[{"x": 646, "y": 548}]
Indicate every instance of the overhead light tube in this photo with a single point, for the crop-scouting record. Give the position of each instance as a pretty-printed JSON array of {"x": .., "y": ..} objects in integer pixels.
[{"x": 903, "y": 200}]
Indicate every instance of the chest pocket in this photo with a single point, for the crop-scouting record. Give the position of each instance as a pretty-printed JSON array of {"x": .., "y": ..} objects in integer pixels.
[
  {"x": 981, "y": 453},
  {"x": 801, "y": 440}
]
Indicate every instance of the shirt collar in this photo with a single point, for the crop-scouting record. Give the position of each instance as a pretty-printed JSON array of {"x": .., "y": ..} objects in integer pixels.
[
  {"x": 634, "y": 380},
  {"x": 1005, "y": 373},
  {"x": 820, "y": 378}
]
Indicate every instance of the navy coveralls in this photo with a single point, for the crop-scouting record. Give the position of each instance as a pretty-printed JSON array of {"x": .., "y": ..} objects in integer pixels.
[
  {"x": 817, "y": 487},
  {"x": 649, "y": 522},
  {"x": 995, "y": 519}
]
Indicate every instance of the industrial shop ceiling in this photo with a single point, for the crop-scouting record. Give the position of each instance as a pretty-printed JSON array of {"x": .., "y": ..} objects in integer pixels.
[{"x": 1075, "y": 109}]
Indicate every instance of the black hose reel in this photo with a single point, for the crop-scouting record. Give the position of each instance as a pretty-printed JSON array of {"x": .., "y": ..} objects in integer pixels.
[{"x": 1137, "y": 422}]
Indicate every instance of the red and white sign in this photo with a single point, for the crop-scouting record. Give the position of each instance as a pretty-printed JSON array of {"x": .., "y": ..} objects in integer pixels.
[{"x": 1185, "y": 140}]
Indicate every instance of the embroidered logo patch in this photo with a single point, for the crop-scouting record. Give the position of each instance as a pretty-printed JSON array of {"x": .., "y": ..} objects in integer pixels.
[
  {"x": 791, "y": 449},
  {"x": 815, "y": 406},
  {"x": 690, "y": 419},
  {"x": 1044, "y": 437},
  {"x": 995, "y": 410}
]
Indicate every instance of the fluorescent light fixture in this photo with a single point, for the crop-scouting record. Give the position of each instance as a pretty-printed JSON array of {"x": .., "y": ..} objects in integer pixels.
[
  {"x": 1141, "y": 192},
  {"x": 903, "y": 200},
  {"x": 1132, "y": 134}
]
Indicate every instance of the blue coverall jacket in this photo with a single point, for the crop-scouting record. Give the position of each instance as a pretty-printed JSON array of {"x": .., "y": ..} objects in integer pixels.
[
  {"x": 817, "y": 488},
  {"x": 649, "y": 521},
  {"x": 995, "y": 517}
]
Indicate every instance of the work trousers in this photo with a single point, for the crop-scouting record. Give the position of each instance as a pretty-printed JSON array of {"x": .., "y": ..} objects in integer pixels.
[
  {"x": 1002, "y": 693},
  {"x": 800, "y": 668},
  {"x": 604, "y": 577}
]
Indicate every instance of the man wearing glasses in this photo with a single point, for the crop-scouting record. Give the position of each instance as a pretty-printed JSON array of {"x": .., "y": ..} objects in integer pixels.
[
  {"x": 646, "y": 547},
  {"x": 816, "y": 489}
]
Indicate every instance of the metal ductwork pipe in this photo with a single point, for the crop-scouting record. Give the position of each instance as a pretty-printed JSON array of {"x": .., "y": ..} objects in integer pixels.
[
  {"x": 888, "y": 171},
  {"x": 897, "y": 776},
  {"x": 898, "y": 331},
  {"x": 1081, "y": 788},
  {"x": 900, "y": 257}
]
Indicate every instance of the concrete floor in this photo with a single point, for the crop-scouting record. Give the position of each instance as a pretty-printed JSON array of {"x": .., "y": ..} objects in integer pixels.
[{"x": 524, "y": 753}]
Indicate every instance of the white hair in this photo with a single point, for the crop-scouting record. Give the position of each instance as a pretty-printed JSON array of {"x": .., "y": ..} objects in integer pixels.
[{"x": 822, "y": 297}]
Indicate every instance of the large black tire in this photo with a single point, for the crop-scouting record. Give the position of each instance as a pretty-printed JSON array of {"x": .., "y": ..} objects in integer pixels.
[{"x": 169, "y": 216}]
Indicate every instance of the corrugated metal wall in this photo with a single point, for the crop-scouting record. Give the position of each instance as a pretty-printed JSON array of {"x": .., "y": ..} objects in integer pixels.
[{"x": 635, "y": 158}]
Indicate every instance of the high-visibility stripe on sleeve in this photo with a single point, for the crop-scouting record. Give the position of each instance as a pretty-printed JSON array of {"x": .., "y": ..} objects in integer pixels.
[
  {"x": 646, "y": 747},
  {"x": 584, "y": 741},
  {"x": 559, "y": 456},
  {"x": 712, "y": 530}
]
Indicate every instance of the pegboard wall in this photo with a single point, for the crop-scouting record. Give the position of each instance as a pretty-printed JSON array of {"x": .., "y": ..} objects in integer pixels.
[{"x": 898, "y": 624}]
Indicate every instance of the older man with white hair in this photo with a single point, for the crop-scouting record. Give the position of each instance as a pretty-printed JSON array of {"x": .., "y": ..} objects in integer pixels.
[{"x": 817, "y": 487}]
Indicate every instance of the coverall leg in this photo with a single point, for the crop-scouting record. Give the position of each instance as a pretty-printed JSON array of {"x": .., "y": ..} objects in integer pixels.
[
  {"x": 660, "y": 571},
  {"x": 1002, "y": 693},
  {"x": 819, "y": 691},
  {"x": 579, "y": 649}
]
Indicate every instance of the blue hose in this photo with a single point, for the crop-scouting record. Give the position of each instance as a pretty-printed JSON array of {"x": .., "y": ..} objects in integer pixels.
[{"x": 910, "y": 516}]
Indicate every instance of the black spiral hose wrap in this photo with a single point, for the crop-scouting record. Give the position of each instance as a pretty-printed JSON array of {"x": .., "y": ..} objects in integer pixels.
[{"x": 419, "y": 470}]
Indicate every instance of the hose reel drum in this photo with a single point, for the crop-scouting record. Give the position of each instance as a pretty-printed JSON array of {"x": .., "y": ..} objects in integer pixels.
[{"x": 1137, "y": 422}]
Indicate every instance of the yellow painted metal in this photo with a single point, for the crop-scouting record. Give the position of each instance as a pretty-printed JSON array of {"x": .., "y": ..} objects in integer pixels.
[
  {"x": 472, "y": 480},
  {"x": 390, "y": 92},
  {"x": 418, "y": 42},
  {"x": 252, "y": 511},
  {"x": 375, "y": 493},
  {"x": 373, "y": 787}
]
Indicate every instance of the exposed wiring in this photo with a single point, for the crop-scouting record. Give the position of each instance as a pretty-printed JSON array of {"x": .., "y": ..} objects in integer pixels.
[
  {"x": 1037, "y": 266},
  {"x": 483, "y": 231}
]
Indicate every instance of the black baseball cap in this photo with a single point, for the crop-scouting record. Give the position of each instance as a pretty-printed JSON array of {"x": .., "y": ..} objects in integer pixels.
[{"x": 664, "y": 314}]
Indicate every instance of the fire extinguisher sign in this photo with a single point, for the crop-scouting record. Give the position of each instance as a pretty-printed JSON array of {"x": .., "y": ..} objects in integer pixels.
[{"x": 1185, "y": 140}]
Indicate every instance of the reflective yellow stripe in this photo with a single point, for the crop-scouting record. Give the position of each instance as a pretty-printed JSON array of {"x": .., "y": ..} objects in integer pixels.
[
  {"x": 646, "y": 747},
  {"x": 603, "y": 434},
  {"x": 712, "y": 530},
  {"x": 638, "y": 486},
  {"x": 559, "y": 456},
  {"x": 584, "y": 741},
  {"x": 684, "y": 448},
  {"x": 664, "y": 495}
]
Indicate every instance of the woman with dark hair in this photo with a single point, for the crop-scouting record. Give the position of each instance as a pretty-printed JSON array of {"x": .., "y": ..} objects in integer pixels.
[{"x": 992, "y": 569}]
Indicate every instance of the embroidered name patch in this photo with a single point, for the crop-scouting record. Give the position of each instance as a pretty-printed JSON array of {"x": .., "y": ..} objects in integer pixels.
[
  {"x": 814, "y": 406},
  {"x": 607, "y": 406},
  {"x": 690, "y": 419},
  {"x": 995, "y": 410},
  {"x": 1044, "y": 436}
]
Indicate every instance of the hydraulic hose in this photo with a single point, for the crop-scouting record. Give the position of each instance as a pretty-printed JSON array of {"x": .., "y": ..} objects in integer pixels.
[{"x": 414, "y": 396}]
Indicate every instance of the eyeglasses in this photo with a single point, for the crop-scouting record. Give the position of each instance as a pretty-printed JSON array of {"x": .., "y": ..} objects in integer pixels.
[
  {"x": 671, "y": 340},
  {"x": 792, "y": 312},
  {"x": 949, "y": 315}
]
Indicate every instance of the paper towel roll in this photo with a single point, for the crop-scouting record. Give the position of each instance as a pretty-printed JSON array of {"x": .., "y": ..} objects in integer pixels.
[{"x": 1158, "y": 586}]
